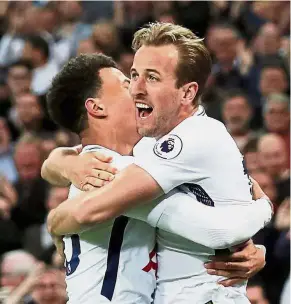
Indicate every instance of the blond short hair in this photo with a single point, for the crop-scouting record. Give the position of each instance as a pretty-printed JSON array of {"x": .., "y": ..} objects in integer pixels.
[{"x": 194, "y": 59}]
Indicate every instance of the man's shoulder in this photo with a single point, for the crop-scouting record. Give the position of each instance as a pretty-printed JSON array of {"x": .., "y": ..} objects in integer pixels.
[{"x": 198, "y": 128}]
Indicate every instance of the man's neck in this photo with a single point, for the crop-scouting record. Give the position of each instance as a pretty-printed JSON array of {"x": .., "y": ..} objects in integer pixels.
[
  {"x": 184, "y": 114},
  {"x": 110, "y": 140}
]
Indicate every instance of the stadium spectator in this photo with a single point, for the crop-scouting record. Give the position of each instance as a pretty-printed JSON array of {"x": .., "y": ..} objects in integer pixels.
[
  {"x": 268, "y": 40},
  {"x": 223, "y": 40},
  {"x": 15, "y": 266},
  {"x": 29, "y": 113},
  {"x": 251, "y": 156},
  {"x": 255, "y": 293},
  {"x": 19, "y": 77},
  {"x": 250, "y": 43},
  {"x": 277, "y": 117},
  {"x": 88, "y": 46},
  {"x": 11, "y": 44},
  {"x": 30, "y": 187},
  {"x": 125, "y": 61},
  {"x": 48, "y": 144},
  {"x": 273, "y": 79},
  {"x": 37, "y": 239},
  {"x": 7, "y": 166},
  {"x": 273, "y": 156},
  {"x": 237, "y": 114},
  {"x": 50, "y": 288},
  {"x": 71, "y": 29},
  {"x": 267, "y": 184},
  {"x": 36, "y": 49},
  {"x": 105, "y": 35}
]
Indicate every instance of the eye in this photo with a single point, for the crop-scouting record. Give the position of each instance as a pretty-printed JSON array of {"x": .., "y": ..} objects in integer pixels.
[
  {"x": 152, "y": 78},
  {"x": 133, "y": 76}
]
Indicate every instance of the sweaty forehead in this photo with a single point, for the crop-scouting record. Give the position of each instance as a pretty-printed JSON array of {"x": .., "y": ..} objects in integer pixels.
[{"x": 161, "y": 58}]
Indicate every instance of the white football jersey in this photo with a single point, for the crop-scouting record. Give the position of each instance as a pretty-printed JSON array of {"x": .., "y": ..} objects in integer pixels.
[
  {"x": 178, "y": 212},
  {"x": 200, "y": 157},
  {"x": 107, "y": 263}
]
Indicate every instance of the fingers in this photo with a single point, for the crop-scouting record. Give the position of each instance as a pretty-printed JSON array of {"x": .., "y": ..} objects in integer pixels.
[
  {"x": 231, "y": 282},
  {"x": 89, "y": 187},
  {"x": 228, "y": 274},
  {"x": 101, "y": 157},
  {"x": 93, "y": 183},
  {"x": 103, "y": 175},
  {"x": 238, "y": 266},
  {"x": 234, "y": 257},
  {"x": 98, "y": 165}
]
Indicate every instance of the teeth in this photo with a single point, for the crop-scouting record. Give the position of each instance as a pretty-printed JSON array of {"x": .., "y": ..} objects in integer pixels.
[{"x": 142, "y": 105}]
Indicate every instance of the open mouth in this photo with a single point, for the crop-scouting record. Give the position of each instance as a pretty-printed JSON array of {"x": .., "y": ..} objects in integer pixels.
[{"x": 144, "y": 111}]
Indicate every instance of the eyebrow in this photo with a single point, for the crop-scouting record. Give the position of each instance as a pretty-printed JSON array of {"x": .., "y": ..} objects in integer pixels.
[{"x": 147, "y": 70}]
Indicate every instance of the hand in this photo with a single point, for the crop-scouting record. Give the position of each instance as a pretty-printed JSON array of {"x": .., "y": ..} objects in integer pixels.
[
  {"x": 60, "y": 246},
  {"x": 5, "y": 208},
  {"x": 90, "y": 170},
  {"x": 35, "y": 274},
  {"x": 8, "y": 191},
  {"x": 238, "y": 266}
]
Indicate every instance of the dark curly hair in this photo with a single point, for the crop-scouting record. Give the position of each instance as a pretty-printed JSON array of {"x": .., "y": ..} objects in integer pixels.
[{"x": 78, "y": 80}]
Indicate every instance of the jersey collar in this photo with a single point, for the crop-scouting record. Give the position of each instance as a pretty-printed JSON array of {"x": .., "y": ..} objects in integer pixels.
[{"x": 200, "y": 111}]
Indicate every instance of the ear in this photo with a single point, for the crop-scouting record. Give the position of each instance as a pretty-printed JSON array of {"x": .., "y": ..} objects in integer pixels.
[
  {"x": 95, "y": 108},
  {"x": 189, "y": 91}
]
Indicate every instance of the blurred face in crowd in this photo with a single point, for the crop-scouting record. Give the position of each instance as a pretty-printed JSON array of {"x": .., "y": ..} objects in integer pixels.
[
  {"x": 256, "y": 296},
  {"x": 50, "y": 288},
  {"x": 31, "y": 54},
  {"x": 266, "y": 183},
  {"x": 48, "y": 19},
  {"x": 19, "y": 79},
  {"x": 15, "y": 268},
  {"x": 252, "y": 161},
  {"x": 56, "y": 196},
  {"x": 236, "y": 115},
  {"x": 28, "y": 109},
  {"x": 70, "y": 10},
  {"x": 272, "y": 155},
  {"x": 224, "y": 45},
  {"x": 268, "y": 40},
  {"x": 277, "y": 117},
  {"x": 125, "y": 62},
  {"x": 87, "y": 47},
  {"x": 273, "y": 80},
  {"x": 47, "y": 146},
  {"x": 32, "y": 23},
  {"x": 105, "y": 35},
  {"x": 28, "y": 161},
  {"x": 4, "y": 135},
  {"x": 154, "y": 90}
]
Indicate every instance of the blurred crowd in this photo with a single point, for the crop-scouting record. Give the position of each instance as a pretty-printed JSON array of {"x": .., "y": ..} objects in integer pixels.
[{"x": 248, "y": 90}]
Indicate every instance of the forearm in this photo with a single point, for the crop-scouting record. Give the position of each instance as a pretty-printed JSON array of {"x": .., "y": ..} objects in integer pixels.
[
  {"x": 17, "y": 295},
  {"x": 54, "y": 169},
  {"x": 217, "y": 228},
  {"x": 129, "y": 189}
]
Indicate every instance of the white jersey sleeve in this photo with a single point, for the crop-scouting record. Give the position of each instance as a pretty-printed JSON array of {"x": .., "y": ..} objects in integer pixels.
[
  {"x": 198, "y": 151},
  {"x": 216, "y": 228}
]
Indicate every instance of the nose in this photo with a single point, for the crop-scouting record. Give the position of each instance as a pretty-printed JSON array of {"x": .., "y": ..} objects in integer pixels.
[{"x": 137, "y": 87}]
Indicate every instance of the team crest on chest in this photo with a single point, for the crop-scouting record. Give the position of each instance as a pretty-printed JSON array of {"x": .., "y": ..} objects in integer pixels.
[{"x": 168, "y": 147}]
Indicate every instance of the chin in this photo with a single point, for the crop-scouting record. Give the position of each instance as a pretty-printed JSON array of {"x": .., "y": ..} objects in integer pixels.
[{"x": 144, "y": 132}]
